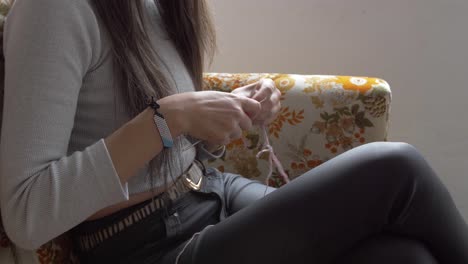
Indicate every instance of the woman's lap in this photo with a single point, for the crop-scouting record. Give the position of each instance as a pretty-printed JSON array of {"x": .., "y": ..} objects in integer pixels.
[
  {"x": 323, "y": 213},
  {"x": 317, "y": 218}
]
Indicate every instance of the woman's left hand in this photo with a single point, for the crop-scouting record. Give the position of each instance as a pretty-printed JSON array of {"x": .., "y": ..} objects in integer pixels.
[{"x": 265, "y": 92}]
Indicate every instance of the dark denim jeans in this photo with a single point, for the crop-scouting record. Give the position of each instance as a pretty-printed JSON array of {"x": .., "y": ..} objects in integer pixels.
[{"x": 377, "y": 203}]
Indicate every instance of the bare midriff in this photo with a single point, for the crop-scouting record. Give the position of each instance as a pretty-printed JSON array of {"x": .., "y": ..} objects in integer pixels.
[{"x": 133, "y": 199}]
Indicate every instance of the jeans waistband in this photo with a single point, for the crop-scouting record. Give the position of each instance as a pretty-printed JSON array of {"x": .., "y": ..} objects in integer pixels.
[{"x": 90, "y": 234}]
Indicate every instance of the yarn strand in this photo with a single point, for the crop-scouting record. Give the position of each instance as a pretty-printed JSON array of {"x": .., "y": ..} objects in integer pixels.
[{"x": 272, "y": 158}]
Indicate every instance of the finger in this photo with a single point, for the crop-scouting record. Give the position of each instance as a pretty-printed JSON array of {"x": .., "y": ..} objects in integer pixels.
[
  {"x": 253, "y": 88},
  {"x": 245, "y": 123},
  {"x": 266, "y": 90},
  {"x": 219, "y": 139},
  {"x": 251, "y": 107},
  {"x": 276, "y": 108},
  {"x": 226, "y": 141},
  {"x": 236, "y": 134},
  {"x": 268, "y": 116},
  {"x": 263, "y": 94},
  {"x": 274, "y": 115},
  {"x": 276, "y": 97},
  {"x": 268, "y": 106},
  {"x": 247, "y": 91}
]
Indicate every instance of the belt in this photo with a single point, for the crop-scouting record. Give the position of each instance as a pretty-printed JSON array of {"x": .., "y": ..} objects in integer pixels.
[
  {"x": 194, "y": 176},
  {"x": 90, "y": 234}
]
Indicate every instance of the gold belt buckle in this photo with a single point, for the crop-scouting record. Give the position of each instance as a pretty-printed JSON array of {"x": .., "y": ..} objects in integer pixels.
[{"x": 189, "y": 182}]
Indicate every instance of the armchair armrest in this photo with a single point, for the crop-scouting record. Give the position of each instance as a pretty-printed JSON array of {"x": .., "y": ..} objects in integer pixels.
[{"x": 321, "y": 116}]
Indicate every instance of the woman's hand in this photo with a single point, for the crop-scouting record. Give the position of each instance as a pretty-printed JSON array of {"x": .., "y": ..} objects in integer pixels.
[
  {"x": 265, "y": 92},
  {"x": 215, "y": 117}
]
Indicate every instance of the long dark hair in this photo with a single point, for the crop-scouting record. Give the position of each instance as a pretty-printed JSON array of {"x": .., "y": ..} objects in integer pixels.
[{"x": 189, "y": 26}]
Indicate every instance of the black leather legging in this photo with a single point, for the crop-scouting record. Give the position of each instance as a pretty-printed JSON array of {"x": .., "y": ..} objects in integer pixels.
[{"x": 377, "y": 203}]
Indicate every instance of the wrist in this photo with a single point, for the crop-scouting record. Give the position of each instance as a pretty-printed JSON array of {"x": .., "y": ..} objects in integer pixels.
[{"x": 173, "y": 116}]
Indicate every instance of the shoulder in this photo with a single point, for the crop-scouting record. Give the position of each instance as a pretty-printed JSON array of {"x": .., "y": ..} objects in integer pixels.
[
  {"x": 53, "y": 27},
  {"x": 51, "y": 9},
  {"x": 43, "y": 5},
  {"x": 54, "y": 18}
]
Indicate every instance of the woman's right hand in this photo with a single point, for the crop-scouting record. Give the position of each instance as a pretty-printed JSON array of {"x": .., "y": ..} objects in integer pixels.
[{"x": 216, "y": 117}]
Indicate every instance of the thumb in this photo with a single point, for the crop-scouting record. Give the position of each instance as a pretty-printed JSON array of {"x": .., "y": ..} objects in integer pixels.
[{"x": 251, "y": 107}]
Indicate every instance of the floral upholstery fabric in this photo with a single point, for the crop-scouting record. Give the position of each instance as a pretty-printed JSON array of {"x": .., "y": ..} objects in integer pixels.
[{"x": 320, "y": 117}]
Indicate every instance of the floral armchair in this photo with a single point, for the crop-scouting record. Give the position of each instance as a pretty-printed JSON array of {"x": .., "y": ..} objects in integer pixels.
[{"x": 321, "y": 117}]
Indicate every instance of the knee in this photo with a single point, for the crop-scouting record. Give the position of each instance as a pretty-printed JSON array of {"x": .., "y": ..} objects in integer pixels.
[
  {"x": 407, "y": 251},
  {"x": 393, "y": 149},
  {"x": 396, "y": 154},
  {"x": 399, "y": 159},
  {"x": 414, "y": 252},
  {"x": 389, "y": 249}
]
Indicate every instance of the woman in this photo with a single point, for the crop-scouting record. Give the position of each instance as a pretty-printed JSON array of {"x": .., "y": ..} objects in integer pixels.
[{"x": 84, "y": 150}]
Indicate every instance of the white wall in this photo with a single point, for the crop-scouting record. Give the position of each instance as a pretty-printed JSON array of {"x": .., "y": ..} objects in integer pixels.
[{"x": 419, "y": 46}]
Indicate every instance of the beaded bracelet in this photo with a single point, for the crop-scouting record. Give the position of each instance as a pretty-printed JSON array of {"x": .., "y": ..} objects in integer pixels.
[{"x": 161, "y": 124}]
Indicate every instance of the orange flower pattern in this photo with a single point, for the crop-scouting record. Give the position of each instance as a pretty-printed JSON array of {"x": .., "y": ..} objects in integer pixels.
[
  {"x": 284, "y": 83},
  {"x": 285, "y": 115},
  {"x": 343, "y": 128},
  {"x": 302, "y": 158}
]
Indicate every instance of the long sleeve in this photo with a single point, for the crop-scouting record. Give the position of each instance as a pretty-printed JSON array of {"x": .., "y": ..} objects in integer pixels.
[{"x": 49, "y": 47}]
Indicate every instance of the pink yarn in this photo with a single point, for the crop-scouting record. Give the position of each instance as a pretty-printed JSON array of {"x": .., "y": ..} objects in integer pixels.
[{"x": 273, "y": 160}]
